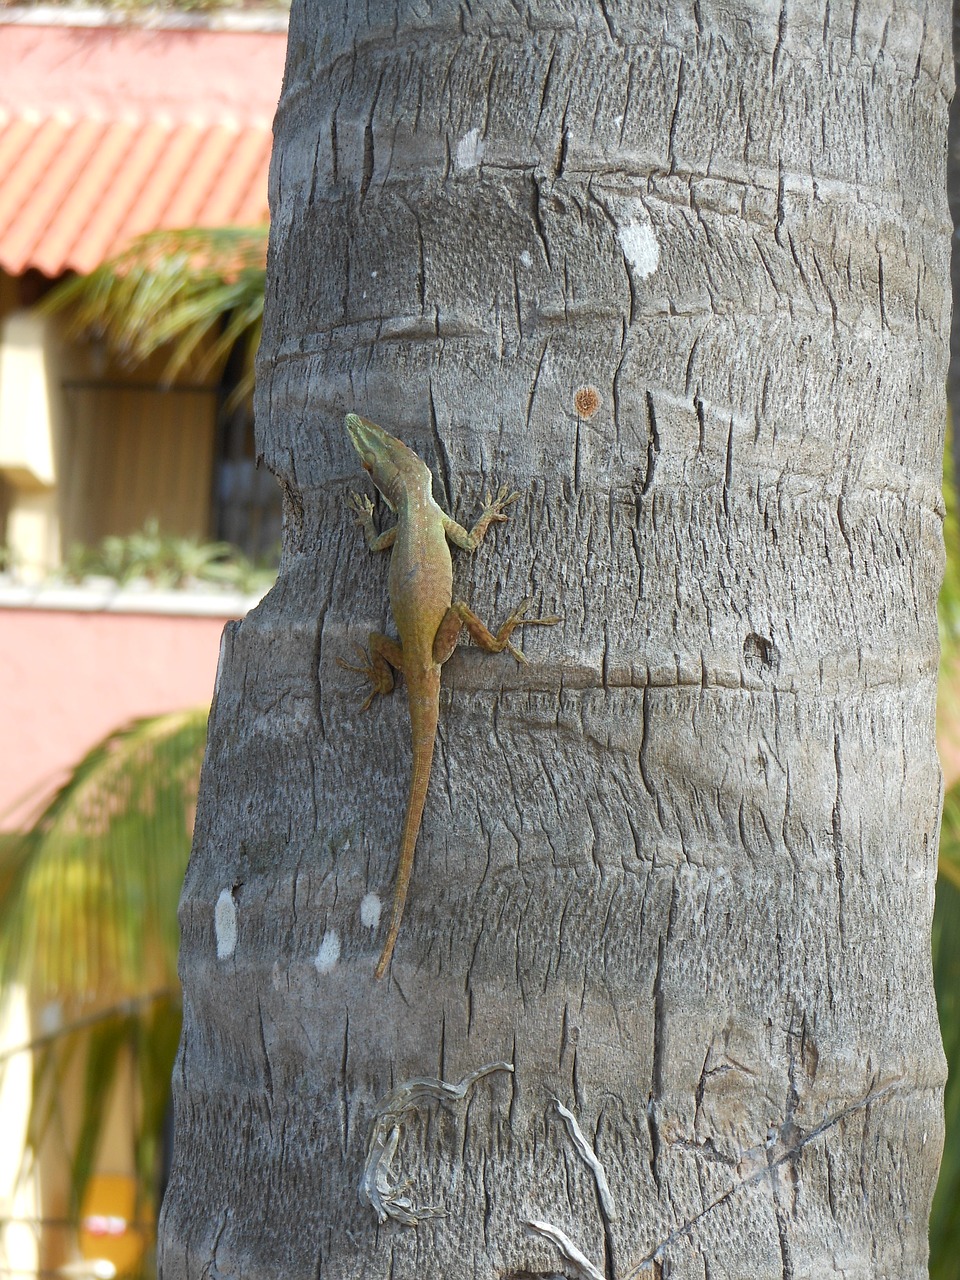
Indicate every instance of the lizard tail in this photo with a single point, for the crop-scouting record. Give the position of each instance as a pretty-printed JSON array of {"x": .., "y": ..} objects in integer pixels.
[{"x": 424, "y": 715}]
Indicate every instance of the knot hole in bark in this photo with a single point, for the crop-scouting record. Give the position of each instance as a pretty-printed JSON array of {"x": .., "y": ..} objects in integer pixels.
[{"x": 760, "y": 654}]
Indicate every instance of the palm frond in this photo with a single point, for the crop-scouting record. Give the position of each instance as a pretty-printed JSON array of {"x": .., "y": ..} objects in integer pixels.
[
  {"x": 104, "y": 1046},
  {"x": 949, "y": 602},
  {"x": 944, "y": 1221},
  {"x": 198, "y": 290},
  {"x": 88, "y": 926},
  {"x": 92, "y": 912}
]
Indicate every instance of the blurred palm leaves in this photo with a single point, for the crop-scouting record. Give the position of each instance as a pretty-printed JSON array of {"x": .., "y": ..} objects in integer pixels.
[
  {"x": 88, "y": 928},
  {"x": 168, "y": 561},
  {"x": 199, "y": 290},
  {"x": 945, "y": 1220}
]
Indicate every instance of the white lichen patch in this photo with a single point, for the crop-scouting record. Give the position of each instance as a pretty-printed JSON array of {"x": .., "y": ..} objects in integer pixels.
[
  {"x": 370, "y": 908},
  {"x": 329, "y": 952},
  {"x": 525, "y": 259},
  {"x": 639, "y": 244},
  {"x": 469, "y": 151},
  {"x": 225, "y": 924}
]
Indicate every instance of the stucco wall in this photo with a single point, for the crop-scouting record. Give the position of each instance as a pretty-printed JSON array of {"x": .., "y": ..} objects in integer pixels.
[{"x": 68, "y": 677}]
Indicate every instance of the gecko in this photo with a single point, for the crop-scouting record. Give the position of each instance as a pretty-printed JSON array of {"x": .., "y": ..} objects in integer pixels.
[{"x": 427, "y": 618}]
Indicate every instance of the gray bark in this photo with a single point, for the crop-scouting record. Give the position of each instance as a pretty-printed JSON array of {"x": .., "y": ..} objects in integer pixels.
[{"x": 678, "y": 872}]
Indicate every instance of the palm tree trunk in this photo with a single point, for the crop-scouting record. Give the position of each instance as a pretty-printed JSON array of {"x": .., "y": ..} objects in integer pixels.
[{"x": 677, "y": 873}]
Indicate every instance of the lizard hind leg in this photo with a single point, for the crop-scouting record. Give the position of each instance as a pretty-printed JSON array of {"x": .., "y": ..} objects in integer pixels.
[
  {"x": 377, "y": 665},
  {"x": 497, "y": 643}
]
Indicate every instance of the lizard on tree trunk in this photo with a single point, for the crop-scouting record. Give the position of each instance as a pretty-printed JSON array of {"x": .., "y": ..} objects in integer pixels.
[{"x": 428, "y": 620}]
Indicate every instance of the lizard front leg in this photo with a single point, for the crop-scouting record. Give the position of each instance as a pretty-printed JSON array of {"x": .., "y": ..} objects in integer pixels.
[
  {"x": 362, "y": 509},
  {"x": 492, "y": 513},
  {"x": 460, "y": 615},
  {"x": 378, "y": 666}
]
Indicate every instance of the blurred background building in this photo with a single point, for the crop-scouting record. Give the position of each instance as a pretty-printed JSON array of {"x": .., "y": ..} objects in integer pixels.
[{"x": 129, "y": 496}]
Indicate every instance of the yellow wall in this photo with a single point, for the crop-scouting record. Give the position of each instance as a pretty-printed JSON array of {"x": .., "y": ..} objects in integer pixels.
[
  {"x": 132, "y": 454},
  {"x": 89, "y": 449}
]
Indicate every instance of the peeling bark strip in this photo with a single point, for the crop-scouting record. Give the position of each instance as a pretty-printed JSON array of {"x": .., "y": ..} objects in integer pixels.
[
  {"x": 589, "y": 1157},
  {"x": 581, "y": 1265},
  {"x": 377, "y": 1189},
  {"x": 678, "y": 271}
]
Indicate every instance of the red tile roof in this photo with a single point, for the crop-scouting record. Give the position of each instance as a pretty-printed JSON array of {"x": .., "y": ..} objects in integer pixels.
[{"x": 108, "y": 133}]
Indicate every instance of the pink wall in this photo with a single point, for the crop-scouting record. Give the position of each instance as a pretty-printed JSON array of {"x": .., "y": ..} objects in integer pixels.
[
  {"x": 68, "y": 678},
  {"x": 187, "y": 74}
]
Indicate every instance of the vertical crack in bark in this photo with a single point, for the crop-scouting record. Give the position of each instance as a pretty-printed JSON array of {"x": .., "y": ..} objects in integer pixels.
[
  {"x": 842, "y": 521},
  {"x": 881, "y": 301},
  {"x": 345, "y": 295},
  {"x": 657, "y": 1071},
  {"x": 442, "y": 463},
  {"x": 442, "y": 1044},
  {"x": 653, "y": 445},
  {"x": 789, "y": 1134},
  {"x": 688, "y": 371},
  {"x": 786, "y": 1262},
  {"x": 538, "y": 224},
  {"x": 421, "y": 261},
  {"x": 334, "y": 150},
  {"x": 611, "y": 31},
  {"x": 781, "y": 215},
  {"x": 627, "y": 98},
  {"x": 645, "y": 742},
  {"x": 366, "y": 176},
  {"x": 562, "y": 149},
  {"x": 344, "y": 1090},
  {"x": 659, "y": 1041},
  {"x": 728, "y": 471},
  {"x": 547, "y": 78},
  {"x": 517, "y": 303},
  {"x": 317, "y": 686},
  {"x": 675, "y": 114},
  {"x": 838, "y": 836},
  {"x": 267, "y": 1072},
  {"x": 781, "y": 37}
]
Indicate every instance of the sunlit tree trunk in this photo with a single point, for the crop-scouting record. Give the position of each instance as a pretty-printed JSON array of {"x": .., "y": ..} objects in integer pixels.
[{"x": 676, "y": 873}]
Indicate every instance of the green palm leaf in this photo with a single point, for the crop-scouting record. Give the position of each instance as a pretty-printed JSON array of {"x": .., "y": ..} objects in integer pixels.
[
  {"x": 92, "y": 912},
  {"x": 88, "y": 928},
  {"x": 199, "y": 290},
  {"x": 945, "y": 1218},
  {"x": 949, "y": 602}
]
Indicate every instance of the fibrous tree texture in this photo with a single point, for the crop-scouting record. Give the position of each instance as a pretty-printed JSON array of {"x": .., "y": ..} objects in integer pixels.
[{"x": 661, "y": 1003}]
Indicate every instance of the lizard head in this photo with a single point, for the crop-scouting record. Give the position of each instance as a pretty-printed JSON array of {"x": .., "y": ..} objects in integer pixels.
[{"x": 393, "y": 467}]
